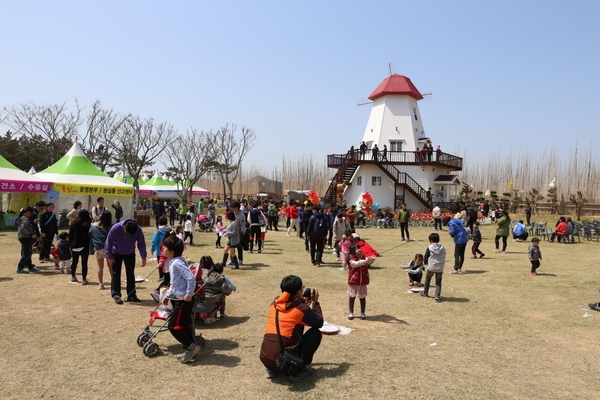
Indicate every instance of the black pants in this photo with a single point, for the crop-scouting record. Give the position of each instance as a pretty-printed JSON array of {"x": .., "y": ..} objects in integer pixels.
[
  {"x": 181, "y": 322},
  {"x": 311, "y": 340},
  {"x": 475, "y": 248},
  {"x": 329, "y": 237},
  {"x": 534, "y": 265},
  {"x": 240, "y": 250},
  {"x": 438, "y": 283},
  {"x": 316, "y": 249},
  {"x": 188, "y": 235},
  {"x": 437, "y": 222},
  {"x": 84, "y": 254},
  {"x": 46, "y": 246},
  {"x": 26, "y": 252},
  {"x": 273, "y": 221},
  {"x": 404, "y": 229},
  {"x": 497, "y": 241},
  {"x": 415, "y": 277},
  {"x": 459, "y": 255},
  {"x": 218, "y": 242},
  {"x": 255, "y": 234},
  {"x": 115, "y": 284}
]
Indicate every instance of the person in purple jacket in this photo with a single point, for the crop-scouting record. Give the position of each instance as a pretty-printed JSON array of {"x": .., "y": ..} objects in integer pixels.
[{"x": 120, "y": 249}]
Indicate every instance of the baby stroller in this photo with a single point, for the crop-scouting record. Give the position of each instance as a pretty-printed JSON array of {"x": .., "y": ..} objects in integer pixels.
[
  {"x": 163, "y": 313},
  {"x": 204, "y": 223}
]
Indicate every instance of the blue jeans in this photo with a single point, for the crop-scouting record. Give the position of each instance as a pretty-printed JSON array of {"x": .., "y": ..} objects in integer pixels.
[{"x": 26, "y": 252}]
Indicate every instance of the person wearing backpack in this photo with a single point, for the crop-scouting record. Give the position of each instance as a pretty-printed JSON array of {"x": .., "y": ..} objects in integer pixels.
[{"x": 318, "y": 227}]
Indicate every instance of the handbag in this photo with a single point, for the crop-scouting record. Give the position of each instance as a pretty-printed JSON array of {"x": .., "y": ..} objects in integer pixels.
[{"x": 287, "y": 362}]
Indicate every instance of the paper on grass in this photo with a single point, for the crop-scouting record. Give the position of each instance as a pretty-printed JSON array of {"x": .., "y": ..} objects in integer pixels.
[{"x": 343, "y": 330}]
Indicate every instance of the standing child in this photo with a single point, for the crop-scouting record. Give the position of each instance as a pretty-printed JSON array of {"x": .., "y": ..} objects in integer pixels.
[
  {"x": 179, "y": 233},
  {"x": 535, "y": 255},
  {"x": 188, "y": 230},
  {"x": 64, "y": 252},
  {"x": 218, "y": 230},
  {"x": 415, "y": 271},
  {"x": 181, "y": 293},
  {"x": 157, "y": 238},
  {"x": 476, "y": 235},
  {"x": 358, "y": 279},
  {"x": 435, "y": 258},
  {"x": 344, "y": 245}
]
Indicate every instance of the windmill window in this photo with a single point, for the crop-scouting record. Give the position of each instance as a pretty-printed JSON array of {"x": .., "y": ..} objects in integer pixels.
[
  {"x": 375, "y": 181},
  {"x": 396, "y": 145},
  {"x": 359, "y": 181},
  {"x": 415, "y": 113}
]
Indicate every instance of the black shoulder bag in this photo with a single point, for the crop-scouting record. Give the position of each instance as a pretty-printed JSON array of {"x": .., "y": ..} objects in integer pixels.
[{"x": 287, "y": 362}]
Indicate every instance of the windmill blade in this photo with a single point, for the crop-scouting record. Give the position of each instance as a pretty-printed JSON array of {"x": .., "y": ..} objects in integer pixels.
[
  {"x": 363, "y": 102},
  {"x": 427, "y": 96}
]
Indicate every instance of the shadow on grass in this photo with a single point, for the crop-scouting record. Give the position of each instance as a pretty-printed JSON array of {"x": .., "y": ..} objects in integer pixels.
[
  {"x": 323, "y": 371},
  {"x": 208, "y": 356},
  {"x": 545, "y": 274},
  {"x": 253, "y": 266},
  {"x": 455, "y": 299},
  {"x": 387, "y": 318},
  {"x": 474, "y": 271},
  {"x": 5, "y": 279},
  {"x": 222, "y": 323}
]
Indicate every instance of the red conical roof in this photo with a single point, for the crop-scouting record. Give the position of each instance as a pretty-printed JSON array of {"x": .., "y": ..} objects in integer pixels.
[{"x": 396, "y": 84}]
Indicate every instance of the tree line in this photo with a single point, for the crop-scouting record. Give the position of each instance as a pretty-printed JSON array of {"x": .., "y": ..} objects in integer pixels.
[{"x": 40, "y": 135}]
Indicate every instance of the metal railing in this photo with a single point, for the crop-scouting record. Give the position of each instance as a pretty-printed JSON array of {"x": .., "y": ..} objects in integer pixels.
[{"x": 403, "y": 157}]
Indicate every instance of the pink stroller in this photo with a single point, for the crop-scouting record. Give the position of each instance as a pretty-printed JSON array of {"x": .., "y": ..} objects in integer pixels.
[{"x": 204, "y": 223}]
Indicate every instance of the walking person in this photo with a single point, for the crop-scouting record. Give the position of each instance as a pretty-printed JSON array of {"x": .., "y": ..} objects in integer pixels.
[
  {"x": 49, "y": 230},
  {"x": 27, "y": 235},
  {"x": 233, "y": 239},
  {"x": 476, "y": 235},
  {"x": 98, "y": 233},
  {"x": 404, "y": 220},
  {"x": 79, "y": 239},
  {"x": 318, "y": 226},
  {"x": 456, "y": 229},
  {"x": 502, "y": 231},
  {"x": 535, "y": 255},
  {"x": 436, "y": 213}
]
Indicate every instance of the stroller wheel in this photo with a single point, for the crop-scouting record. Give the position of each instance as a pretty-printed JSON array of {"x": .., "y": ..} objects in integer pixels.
[
  {"x": 151, "y": 349},
  {"x": 200, "y": 341},
  {"x": 143, "y": 338}
]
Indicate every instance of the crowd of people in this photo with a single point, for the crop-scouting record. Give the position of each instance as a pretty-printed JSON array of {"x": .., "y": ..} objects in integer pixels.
[{"x": 93, "y": 233}]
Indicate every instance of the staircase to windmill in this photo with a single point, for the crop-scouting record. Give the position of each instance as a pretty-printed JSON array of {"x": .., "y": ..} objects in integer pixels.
[{"x": 348, "y": 168}]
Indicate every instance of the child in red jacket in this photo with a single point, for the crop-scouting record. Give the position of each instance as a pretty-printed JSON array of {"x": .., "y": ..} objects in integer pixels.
[{"x": 358, "y": 279}]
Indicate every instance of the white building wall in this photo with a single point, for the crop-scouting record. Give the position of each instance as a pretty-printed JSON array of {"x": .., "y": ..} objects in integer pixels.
[{"x": 392, "y": 119}]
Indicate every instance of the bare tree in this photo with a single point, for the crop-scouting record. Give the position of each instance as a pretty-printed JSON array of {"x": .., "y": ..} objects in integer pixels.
[
  {"x": 140, "y": 144},
  {"x": 231, "y": 152},
  {"x": 53, "y": 126},
  {"x": 98, "y": 141},
  {"x": 190, "y": 157}
]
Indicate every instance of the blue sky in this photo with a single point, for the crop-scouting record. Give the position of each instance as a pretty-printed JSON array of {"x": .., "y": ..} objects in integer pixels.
[{"x": 504, "y": 75}]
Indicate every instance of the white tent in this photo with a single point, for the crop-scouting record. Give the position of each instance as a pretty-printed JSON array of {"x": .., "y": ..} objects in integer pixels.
[
  {"x": 18, "y": 189},
  {"x": 76, "y": 178}
]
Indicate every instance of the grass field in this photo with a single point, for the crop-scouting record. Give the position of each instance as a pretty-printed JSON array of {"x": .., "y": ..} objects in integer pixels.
[{"x": 500, "y": 332}]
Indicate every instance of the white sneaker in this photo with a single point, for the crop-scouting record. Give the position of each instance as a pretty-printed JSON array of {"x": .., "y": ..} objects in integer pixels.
[{"x": 101, "y": 286}]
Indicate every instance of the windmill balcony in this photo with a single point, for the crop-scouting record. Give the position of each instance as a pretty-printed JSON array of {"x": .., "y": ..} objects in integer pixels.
[{"x": 436, "y": 159}]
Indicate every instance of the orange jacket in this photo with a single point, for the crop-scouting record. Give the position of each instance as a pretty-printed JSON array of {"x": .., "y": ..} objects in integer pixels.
[{"x": 294, "y": 314}]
